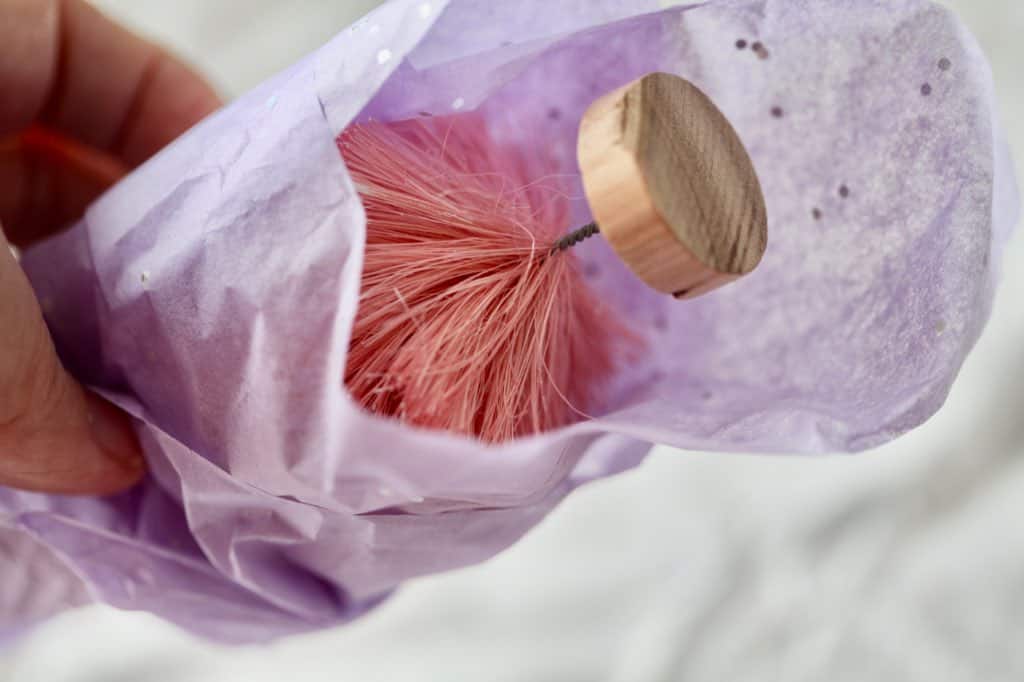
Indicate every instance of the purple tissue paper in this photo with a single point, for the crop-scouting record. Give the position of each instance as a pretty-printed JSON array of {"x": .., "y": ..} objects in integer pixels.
[{"x": 211, "y": 294}]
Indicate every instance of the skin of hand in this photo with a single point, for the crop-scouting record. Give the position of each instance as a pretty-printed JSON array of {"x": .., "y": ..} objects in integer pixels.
[{"x": 82, "y": 101}]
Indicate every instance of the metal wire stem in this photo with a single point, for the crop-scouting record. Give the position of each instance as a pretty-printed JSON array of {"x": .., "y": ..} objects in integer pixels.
[{"x": 575, "y": 237}]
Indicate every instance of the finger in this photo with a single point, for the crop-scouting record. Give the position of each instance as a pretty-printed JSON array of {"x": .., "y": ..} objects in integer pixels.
[
  {"x": 91, "y": 79},
  {"x": 48, "y": 181},
  {"x": 54, "y": 435}
]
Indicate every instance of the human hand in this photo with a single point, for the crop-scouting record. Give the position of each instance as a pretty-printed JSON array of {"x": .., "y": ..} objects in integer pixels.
[{"x": 111, "y": 100}]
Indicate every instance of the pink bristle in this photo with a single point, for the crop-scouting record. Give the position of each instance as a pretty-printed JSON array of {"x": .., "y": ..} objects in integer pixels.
[{"x": 466, "y": 321}]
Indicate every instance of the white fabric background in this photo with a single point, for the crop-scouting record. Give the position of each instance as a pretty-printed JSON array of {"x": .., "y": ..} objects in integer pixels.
[{"x": 902, "y": 564}]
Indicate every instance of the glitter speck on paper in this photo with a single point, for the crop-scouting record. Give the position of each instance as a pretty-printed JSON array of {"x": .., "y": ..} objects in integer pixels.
[
  {"x": 384, "y": 56},
  {"x": 458, "y": 103},
  {"x": 144, "y": 576},
  {"x": 760, "y": 50}
]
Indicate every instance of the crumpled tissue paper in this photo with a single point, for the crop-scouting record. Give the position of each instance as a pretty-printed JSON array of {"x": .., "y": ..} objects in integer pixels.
[{"x": 211, "y": 294}]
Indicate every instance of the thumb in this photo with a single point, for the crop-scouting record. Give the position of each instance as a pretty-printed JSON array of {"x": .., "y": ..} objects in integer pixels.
[{"x": 55, "y": 436}]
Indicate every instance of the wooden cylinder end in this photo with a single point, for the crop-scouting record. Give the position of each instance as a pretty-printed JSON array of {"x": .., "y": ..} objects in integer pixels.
[{"x": 671, "y": 186}]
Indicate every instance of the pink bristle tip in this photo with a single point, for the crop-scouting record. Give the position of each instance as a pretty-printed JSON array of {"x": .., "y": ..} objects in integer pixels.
[{"x": 466, "y": 321}]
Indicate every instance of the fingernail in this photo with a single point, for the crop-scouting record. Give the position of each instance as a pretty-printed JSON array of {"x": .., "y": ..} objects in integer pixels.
[{"x": 112, "y": 431}]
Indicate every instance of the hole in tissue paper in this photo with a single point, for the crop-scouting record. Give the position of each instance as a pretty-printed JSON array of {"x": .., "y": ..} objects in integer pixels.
[{"x": 510, "y": 115}]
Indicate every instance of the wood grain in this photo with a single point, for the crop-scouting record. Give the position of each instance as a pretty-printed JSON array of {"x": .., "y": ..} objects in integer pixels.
[{"x": 671, "y": 186}]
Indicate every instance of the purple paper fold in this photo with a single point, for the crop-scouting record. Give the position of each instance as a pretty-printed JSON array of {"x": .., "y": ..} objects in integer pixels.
[{"x": 211, "y": 294}]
